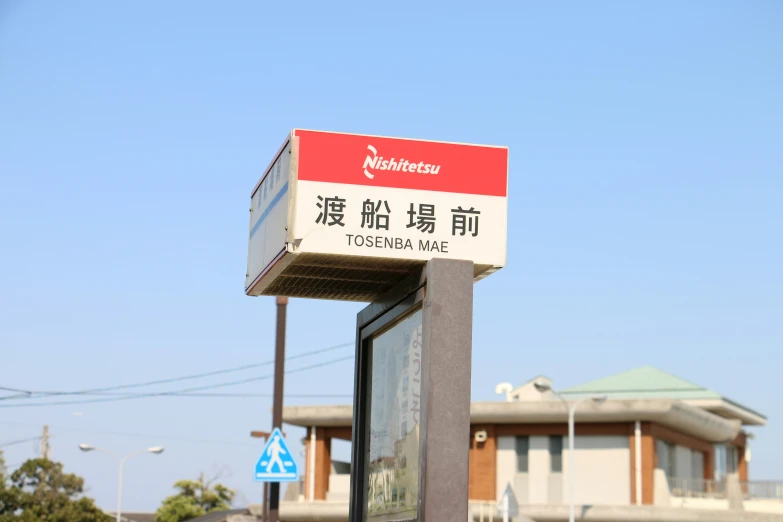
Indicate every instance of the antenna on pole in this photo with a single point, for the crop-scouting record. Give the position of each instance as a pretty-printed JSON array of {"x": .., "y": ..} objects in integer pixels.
[{"x": 505, "y": 387}]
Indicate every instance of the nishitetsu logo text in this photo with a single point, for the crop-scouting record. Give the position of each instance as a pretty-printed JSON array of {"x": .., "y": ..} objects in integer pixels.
[{"x": 373, "y": 162}]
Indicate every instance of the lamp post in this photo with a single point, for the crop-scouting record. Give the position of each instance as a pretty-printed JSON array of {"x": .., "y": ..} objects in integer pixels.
[
  {"x": 545, "y": 387},
  {"x": 155, "y": 449}
]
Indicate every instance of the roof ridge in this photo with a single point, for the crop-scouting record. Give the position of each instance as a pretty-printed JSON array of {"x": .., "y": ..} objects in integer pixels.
[
  {"x": 539, "y": 376},
  {"x": 685, "y": 380},
  {"x": 691, "y": 385}
]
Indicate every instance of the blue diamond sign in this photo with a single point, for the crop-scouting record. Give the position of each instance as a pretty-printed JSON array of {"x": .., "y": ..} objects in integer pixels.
[{"x": 276, "y": 463}]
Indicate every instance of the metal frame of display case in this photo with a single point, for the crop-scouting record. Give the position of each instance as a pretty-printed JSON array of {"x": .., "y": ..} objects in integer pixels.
[{"x": 444, "y": 292}]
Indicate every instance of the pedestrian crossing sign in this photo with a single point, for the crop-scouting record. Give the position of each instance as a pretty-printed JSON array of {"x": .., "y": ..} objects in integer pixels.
[{"x": 276, "y": 463}]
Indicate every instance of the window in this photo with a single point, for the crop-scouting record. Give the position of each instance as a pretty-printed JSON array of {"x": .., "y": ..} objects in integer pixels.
[
  {"x": 556, "y": 454},
  {"x": 720, "y": 462},
  {"x": 726, "y": 460},
  {"x": 665, "y": 453},
  {"x": 697, "y": 464},
  {"x": 522, "y": 446},
  {"x": 660, "y": 455},
  {"x": 732, "y": 459}
]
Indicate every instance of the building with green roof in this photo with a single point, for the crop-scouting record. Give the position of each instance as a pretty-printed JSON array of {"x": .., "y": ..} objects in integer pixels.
[
  {"x": 654, "y": 440},
  {"x": 649, "y": 382}
]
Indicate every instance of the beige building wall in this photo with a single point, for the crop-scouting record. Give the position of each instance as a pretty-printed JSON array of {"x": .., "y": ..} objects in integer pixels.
[
  {"x": 603, "y": 471},
  {"x": 538, "y": 492},
  {"x": 506, "y": 467}
]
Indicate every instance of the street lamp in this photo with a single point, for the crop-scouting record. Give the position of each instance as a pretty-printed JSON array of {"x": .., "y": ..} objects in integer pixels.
[
  {"x": 546, "y": 387},
  {"x": 88, "y": 447}
]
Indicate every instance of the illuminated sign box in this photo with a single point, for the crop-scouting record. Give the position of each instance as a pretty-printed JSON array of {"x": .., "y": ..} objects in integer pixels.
[{"x": 346, "y": 216}]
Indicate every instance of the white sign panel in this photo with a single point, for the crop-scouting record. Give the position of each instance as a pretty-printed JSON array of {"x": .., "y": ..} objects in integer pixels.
[
  {"x": 400, "y": 223},
  {"x": 343, "y": 195}
]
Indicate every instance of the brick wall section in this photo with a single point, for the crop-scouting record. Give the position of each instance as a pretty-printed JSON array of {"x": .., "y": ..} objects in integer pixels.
[
  {"x": 482, "y": 464},
  {"x": 739, "y": 442},
  {"x": 648, "y": 462},
  {"x": 339, "y": 433},
  {"x": 561, "y": 428},
  {"x": 308, "y": 451},
  {"x": 323, "y": 463},
  {"x": 709, "y": 465}
]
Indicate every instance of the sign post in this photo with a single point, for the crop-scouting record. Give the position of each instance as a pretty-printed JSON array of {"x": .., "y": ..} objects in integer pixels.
[
  {"x": 277, "y": 406},
  {"x": 448, "y": 340},
  {"x": 408, "y": 226},
  {"x": 509, "y": 505},
  {"x": 275, "y": 441}
]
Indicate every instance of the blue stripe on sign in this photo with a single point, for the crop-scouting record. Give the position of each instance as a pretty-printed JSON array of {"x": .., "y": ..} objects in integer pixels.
[{"x": 269, "y": 208}]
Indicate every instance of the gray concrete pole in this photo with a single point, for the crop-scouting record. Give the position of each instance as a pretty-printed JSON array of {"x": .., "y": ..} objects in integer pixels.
[
  {"x": 446, "y": 366},
  {"x": 277, "y": 407}
]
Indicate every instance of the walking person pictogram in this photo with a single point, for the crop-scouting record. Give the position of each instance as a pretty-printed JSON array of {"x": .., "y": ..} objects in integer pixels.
[
  {"x": 276, "y": 463},
  {"x": 274, "y": 451}
]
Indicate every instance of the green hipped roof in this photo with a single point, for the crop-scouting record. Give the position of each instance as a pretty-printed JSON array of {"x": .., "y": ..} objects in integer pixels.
[{"x": 647, "y": 382}]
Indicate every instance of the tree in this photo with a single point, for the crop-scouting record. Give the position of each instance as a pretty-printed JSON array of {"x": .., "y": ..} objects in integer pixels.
[
  {"x": 39, "y": 491},
  {"x": 6, "y": 498},
  {"x": 195, "y": 498},
  {"x": 3, "y": 470}
]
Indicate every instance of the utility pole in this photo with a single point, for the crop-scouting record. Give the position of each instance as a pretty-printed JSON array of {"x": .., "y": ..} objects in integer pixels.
[
  {"x": 265, "y": 504},
  {"x": 45, "y": 448},
  {"x": 277, "y": 404}
]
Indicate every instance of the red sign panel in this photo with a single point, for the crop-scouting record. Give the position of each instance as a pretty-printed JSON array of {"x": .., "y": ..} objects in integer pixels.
[{"x": 401, "y": 163}]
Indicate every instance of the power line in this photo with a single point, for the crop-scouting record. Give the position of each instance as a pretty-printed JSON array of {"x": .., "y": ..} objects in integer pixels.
[
  {"x": 175, "y": 392},
  {"x": 38, "y": 394},
  {"x": 17, "y": 395},
  {"x": 4, "y": 388},
  {"x": 232, "y": 395},
  {"x": 13, "y": 442},
  {"x": 126, "y": 434}
]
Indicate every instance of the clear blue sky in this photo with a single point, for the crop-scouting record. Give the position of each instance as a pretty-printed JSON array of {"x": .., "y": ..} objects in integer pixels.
[{"x": 646, "y": 202}]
